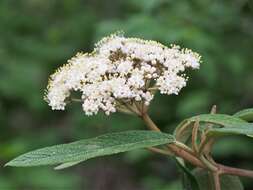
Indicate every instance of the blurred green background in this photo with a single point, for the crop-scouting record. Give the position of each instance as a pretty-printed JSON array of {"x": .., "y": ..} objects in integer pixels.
[{"x": 37, "y": 36}]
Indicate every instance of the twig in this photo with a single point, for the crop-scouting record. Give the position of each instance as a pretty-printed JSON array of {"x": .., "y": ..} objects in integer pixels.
[
  {"x": 216, "y": 179},
  {"x": 172, "y": 147},
  {"x": 130, "y": 108},
  {"x": 195, "y": 136},
  {"x": 182, "y": 128},
  {"x": 235, "y": 171},
  {"x": 208, "y": 164},
  {"x": 160, "y": 151},
  {"x": 184, "y": 147},
  {"x": 180, "y": 150},
  {"x": 207, "y": 143}
]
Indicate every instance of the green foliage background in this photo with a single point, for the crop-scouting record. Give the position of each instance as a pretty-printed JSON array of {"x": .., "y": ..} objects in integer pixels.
[{"x": 38, "y": 36}]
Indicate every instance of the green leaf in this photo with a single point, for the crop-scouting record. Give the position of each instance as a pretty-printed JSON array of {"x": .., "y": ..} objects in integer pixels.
[
  {"x": 246, "y": 129},
  {"x": 66, "y": 165},
  {"x": 75, "y": 152},
  {"x": 227, "y": 182},
  {"x": 219, "y": 119},
  {"x": 223, "y": 125},
  {"x": 246, "y": 114},
  {"x": 227, "y": 125}
]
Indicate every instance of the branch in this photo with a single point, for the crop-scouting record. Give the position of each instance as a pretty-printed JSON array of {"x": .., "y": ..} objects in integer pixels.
[
  {"x": 235, "y": 171},
  {"x": 188, "y": 155},
  {"x": 195, "y": 137},
  {"x": 216, "y": 179},
  {"x": 160, "y": 151},
  {"x": 173, "y": 147}
]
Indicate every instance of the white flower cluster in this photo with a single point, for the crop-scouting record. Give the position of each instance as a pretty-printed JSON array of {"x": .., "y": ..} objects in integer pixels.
[{"x": 121, "y": 70}]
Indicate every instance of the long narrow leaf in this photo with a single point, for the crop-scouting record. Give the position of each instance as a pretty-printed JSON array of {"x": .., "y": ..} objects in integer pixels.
[
  {"x": 223, "y": 125},
  {"x": 75, "y": 152},
  {"x": 246, "y": 114}
]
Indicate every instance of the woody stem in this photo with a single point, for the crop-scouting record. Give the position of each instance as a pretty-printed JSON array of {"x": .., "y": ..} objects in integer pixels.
[{"x": 178, "y": 151}]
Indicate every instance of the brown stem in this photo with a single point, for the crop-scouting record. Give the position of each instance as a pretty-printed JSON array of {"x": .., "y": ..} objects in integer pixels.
[
  {"x": 188, "y": 156},
  {"x": 235, "y": 171},
  {"x": 172, "y": 147},
  {"x": 184, "y": 147},
  {"x": 195, "y": 136},
  {"x": 160, "y": 151},
  {"x": 216, "y": 179},
  {"x": 207, "y": 143},
  {"x": 209, "y": 165},
  {"x": 185, "y": 125},
  {"x": 204, "y": 141},
  {"x": 150, "y": 124},
  {"x": 131, "y": 108}
]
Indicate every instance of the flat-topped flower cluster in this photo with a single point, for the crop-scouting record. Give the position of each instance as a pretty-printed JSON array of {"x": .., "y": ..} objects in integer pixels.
[{"x": 121, "y": 71}]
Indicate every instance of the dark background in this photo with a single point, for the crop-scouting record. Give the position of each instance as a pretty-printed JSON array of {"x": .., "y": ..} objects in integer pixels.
[{"x": 37, "y": 36}]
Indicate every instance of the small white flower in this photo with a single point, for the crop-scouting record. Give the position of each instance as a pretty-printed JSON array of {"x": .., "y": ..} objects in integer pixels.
[
  {"x": 121, "y": 71},
  {"x": 125, "y": 66},
  {"x": 136, "y": 80},
  {"x": 171, "y": 83}
]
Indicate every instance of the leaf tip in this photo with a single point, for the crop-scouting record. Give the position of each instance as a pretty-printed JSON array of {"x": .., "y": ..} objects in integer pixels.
[
  {"x": 10, "y": 163},
  {"x": 13, "y": 163}
]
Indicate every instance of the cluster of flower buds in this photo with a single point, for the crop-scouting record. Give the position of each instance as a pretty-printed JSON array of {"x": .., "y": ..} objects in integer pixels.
[{"x": 119, "y": 73}]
